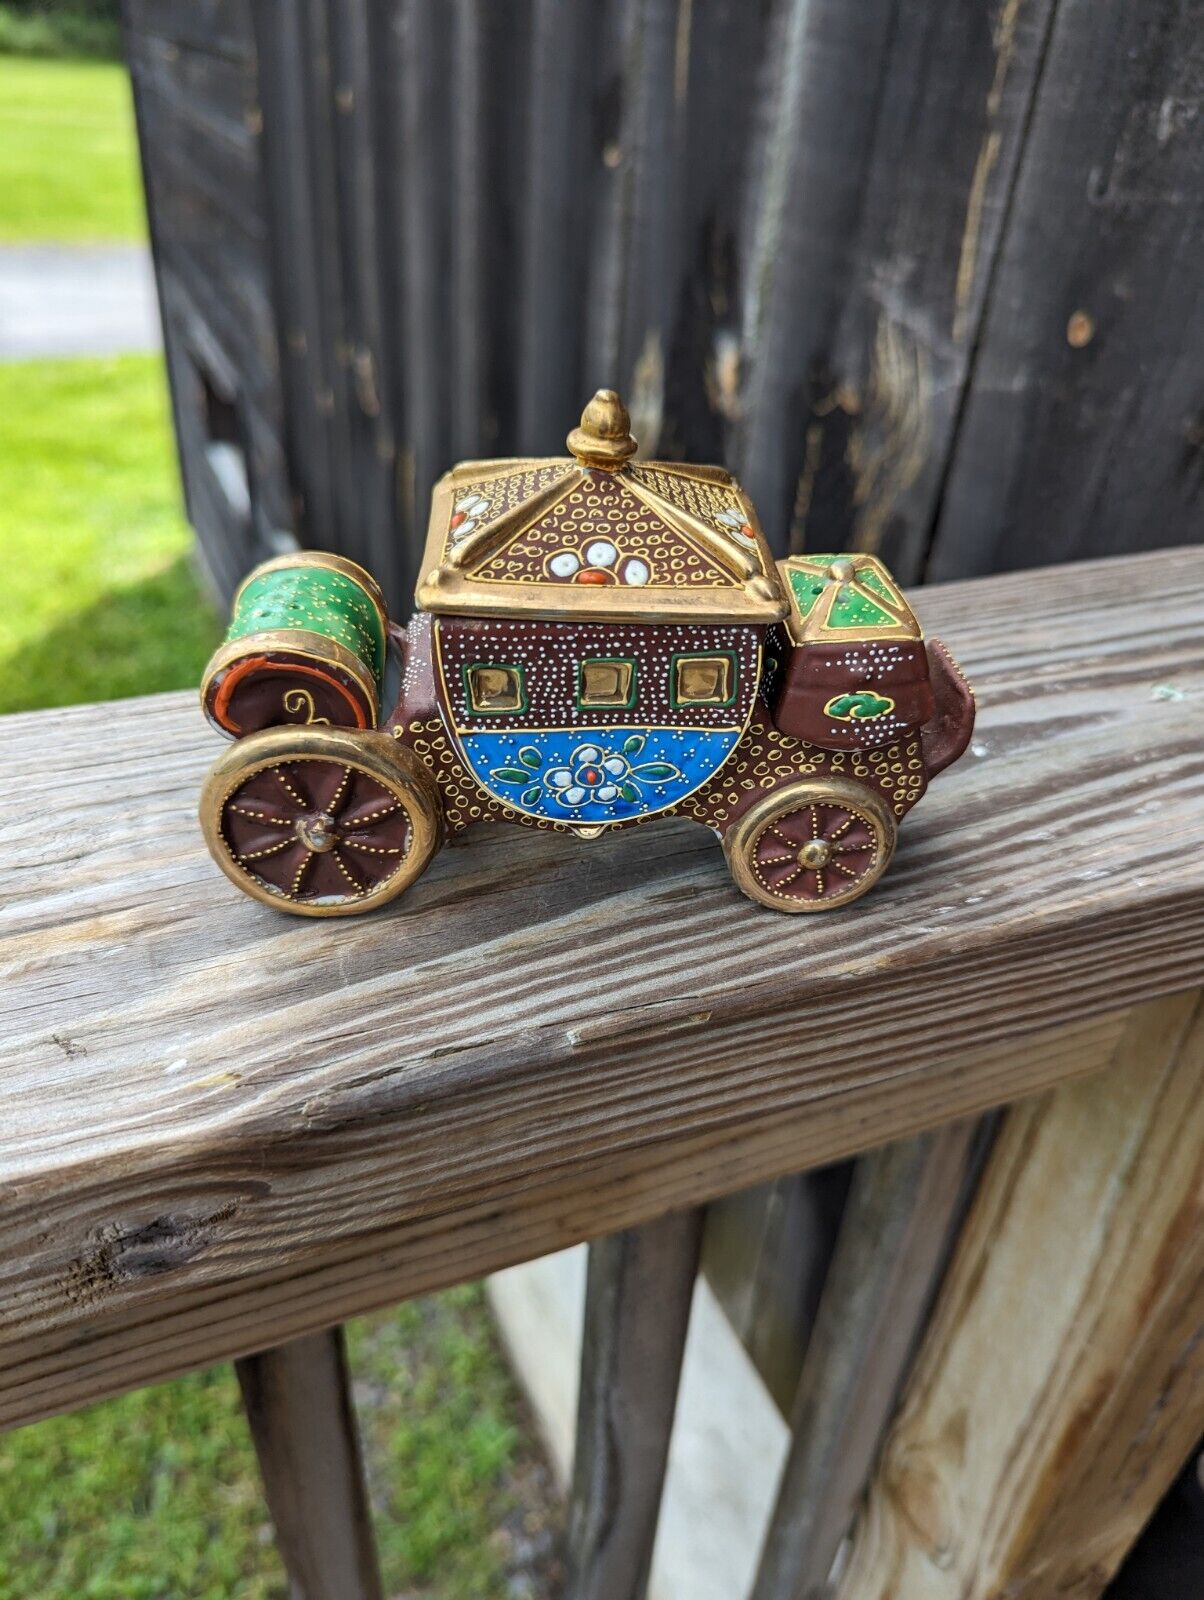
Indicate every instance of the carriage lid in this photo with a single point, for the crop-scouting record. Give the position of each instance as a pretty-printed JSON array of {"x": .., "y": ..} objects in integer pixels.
[
  {"x": 838, "y": 598},
  {"x": 597, "y": 536}
]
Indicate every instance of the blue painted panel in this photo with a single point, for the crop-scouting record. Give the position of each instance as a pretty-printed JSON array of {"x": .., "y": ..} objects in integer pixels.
[{"x": 599, "y": 774}]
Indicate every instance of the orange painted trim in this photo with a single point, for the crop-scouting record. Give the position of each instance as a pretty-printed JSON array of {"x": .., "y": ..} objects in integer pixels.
[{"x": 240, "y": 669}]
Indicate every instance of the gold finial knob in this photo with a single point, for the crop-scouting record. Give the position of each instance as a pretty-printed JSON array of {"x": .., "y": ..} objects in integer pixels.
[{"x": 604, "y": 437}]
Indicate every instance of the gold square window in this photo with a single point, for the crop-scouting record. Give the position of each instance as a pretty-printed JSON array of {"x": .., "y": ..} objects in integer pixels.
[
  {"x": 704, "y": 680},
  {"x": 606, "y": 683},
  {"x": 495, "y": 688}
]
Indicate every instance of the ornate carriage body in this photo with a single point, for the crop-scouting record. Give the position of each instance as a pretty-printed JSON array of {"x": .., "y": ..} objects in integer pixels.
[{"x": 599, "y": 642}]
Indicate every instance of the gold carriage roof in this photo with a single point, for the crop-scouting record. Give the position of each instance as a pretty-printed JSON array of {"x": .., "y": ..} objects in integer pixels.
[{"x": 598, "y": 536}]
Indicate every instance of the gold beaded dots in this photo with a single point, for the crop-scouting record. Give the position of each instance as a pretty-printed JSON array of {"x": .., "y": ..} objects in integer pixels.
[
  {"x": 706, "y": 501},
  {"x": 765, "y": 759},
  {"x": 602, "y": 510},
  {"x": 315, "y": 600},
  {"x": 508, "y": 490},
  {"x": 464, "y": 801}
]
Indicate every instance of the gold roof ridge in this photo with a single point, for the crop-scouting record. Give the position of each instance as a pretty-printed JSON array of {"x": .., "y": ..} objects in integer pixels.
[{"x": 745, "y": 583}]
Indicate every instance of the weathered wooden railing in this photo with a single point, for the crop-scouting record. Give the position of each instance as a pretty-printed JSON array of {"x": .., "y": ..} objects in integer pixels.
[{"x": 224, "y": 1132}]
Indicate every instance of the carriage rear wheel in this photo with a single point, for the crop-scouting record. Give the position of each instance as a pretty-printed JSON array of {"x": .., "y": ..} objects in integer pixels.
[
  {"x": 321, "y": 822},
  {"x": 812, "y": 845}
]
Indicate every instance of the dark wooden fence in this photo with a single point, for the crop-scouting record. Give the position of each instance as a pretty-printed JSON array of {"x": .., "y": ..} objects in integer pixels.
[{"x": 923, "y": 272}]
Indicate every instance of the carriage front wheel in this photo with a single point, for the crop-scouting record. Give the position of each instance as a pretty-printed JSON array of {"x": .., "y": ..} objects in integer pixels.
[
  {"x": 811, "y": 845},
  {"x": 319, "y": 821}
]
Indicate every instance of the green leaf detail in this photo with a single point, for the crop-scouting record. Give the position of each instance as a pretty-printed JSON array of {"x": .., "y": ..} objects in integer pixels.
[
  {"x": 512, "y": 775},
  {"x": 530, "y": 796},
  {"x": 530, "y": 756},
  {"x": 861, "y": 706},
  {"x": 657, "y": 770},
  {"x": 629, "y": 791},
  {"x": 633, "y": 744}
]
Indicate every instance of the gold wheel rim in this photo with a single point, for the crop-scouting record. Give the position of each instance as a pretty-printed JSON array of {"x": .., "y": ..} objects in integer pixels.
[
  {"x": 741, "y": 842},
  {"x": 378, "y": 756}
]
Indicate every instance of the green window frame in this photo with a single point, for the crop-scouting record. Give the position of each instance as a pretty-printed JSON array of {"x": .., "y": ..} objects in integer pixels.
[
  {"x": 678, "y": 656},
  {"x": 607, "y": 705},
  {"x": 470, "y": 697}
]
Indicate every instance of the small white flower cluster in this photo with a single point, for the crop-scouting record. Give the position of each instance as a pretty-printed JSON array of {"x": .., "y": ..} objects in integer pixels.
[
  {"x": 599, "y": 563},
  {"x": 466, "y": 514},
  {"x": 734, "y": 522}
]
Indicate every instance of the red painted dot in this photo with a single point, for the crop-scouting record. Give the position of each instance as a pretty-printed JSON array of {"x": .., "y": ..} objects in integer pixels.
[
  {"x": 592, "y": 575},
  {"x": 458, "y": 518},
  {"x": 590, "y": 776}
]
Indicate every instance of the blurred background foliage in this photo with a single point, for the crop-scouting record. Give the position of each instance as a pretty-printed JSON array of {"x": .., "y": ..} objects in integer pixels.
[{"x": 61, "y": 27}]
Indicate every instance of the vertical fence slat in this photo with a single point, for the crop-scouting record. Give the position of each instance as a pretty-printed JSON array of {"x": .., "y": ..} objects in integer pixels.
[
  {"x": 766, "y": 1255},
  {"x": 1083, "y": 412},
  {"x": 556, "y": 225},
  {"x": 901, "y": 1212},
  {"x": 638, "y": 204},
  {"x": 1060, "y": 1386},
  {"x": 355, "y": 117},
  {"x": 637, "y": 1308},
  {"x": 822, "y": 100},
  {"x": 298, "y": 1404}
]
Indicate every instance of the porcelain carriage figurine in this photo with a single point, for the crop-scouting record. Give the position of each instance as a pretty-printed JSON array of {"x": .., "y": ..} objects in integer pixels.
[{"x": 599, "y": 642}]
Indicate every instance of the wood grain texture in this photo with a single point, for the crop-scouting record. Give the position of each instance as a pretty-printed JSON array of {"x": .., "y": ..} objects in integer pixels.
[
  {"x": 223, "y": 1128},
  {"x": 1061, "y": 1382},
  {"x": 1082, "y": 425},
  {"x": 839, "y": 247},
  {"x": 298, "y": 1403},
  {"x": 639, "y": 1288},
  {"x": 766, "y": 1255},
  {"x": 903, "y": 1209}
]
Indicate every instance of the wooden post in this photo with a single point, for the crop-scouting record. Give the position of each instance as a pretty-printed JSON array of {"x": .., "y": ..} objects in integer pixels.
[
  {"x": 1061, "y": 1383},
  {"x": 299, "y": 1407},
  {"x": 893, "y": 1242},
  {"x": 637, "y": 1307}
]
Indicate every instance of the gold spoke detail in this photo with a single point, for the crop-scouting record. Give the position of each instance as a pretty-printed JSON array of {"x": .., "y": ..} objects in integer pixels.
[
  {"x": 338, "y": 794},
  {"x": 288, "y": 788},
  {"x": 844, "y": 828},
  {"x": 773, "y": 828},
  {"x": 848, "y": 871},
  {"x": 270, "y": 850},
  {"x": 373, "y": 816},
  {"x": 789, "y": 878},
  {"x": 260, "y": 816},
  {"x": 295, "y": 886},
  {"x": 372, "y": 849},
  {"x": 347, "y": 873},
  {"x": 773, "y": 861}
]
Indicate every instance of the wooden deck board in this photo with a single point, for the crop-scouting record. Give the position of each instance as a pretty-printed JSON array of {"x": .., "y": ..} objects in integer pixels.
[{"x": 221, "y": 1127}]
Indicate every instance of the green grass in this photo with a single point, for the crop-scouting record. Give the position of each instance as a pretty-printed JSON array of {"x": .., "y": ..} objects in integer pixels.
[
  {"x": 101, "y": 597},
  {"x": 68, "y": 154},
  {"x": 155, "y": 1496}
]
